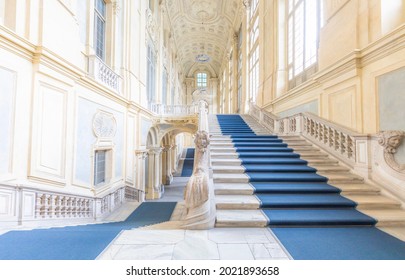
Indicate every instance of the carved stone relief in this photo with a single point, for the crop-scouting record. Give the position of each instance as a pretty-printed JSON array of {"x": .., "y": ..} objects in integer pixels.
[
  {"x": 390, "y": 141},
  {"x": 104, "y": 125}
]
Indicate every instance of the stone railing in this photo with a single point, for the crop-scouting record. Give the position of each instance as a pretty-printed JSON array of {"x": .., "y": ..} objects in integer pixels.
[
  {"x": 133, "y": 194},
  {"x": 55, "y": 205},
  {"x": 371, "y": 156},
  {"x": 199, "y": 195},
  {"x": 347, "y": 145},
  {"x": 99, "y": 71},
  {"x": 174, "y": 110},
  {"x": 25, "y": 204}
]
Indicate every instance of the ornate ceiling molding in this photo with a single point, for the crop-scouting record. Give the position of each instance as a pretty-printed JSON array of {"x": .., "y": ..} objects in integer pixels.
[{"x": 202, "y": 27}]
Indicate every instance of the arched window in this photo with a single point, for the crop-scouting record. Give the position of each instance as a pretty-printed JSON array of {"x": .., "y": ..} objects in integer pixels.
[{"x": 202, "y": 80}]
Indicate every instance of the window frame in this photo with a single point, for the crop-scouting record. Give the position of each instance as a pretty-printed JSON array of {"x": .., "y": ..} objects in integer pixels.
[
  {"x": 201, "y": 80},
  {"x": 299, "y": 66},
  {"x": 102, "y": 16}
]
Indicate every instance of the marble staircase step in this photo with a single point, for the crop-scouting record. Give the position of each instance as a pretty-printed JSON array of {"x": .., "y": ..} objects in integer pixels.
[
  {"x": 330, "y": 168},
  {"x": 224, "y": 155},
  {"x": 233, "y": 189},
  {"x": 373, "y": 201},
  {"x": 219, "y": 162},
  {"x": 230, "y": 178},
  {"x": 321, "y": 161},
  {"x": 237, "y": 202},
  {"x": 397, "y": 231},
  {"x": 311, "y": 154},
  {"x": 387, "y": 218},
  {"x": 361, "y": 188},
  {"x": 240, "y": 218},
  {"x": 233, "y": 169},
  {"x": 341, "y": 178},
  {"x": 223, "y": 149}
]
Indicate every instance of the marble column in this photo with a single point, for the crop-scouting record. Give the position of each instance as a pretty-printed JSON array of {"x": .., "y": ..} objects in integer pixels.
[
  {"x": 167, "y": 175},
  {"x": 154, "y": 188},
  {"x": 139, "y": 177}
]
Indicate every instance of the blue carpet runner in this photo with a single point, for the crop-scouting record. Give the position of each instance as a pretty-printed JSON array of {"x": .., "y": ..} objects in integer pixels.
[
  {"x": 78, "y": 242},
  {"x": 308, "y": 215},
  {"x": 188, "y": 164}
]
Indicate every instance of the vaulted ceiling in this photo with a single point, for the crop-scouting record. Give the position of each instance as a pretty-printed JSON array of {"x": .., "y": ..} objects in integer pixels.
[{"x": 202, "y": 27}]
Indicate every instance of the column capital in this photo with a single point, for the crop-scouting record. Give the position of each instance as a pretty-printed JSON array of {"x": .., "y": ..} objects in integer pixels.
[
  {"x": 167, "y": 148},
  {"x": 154, "y": 150},
  {"x": 141, "y": 154}
]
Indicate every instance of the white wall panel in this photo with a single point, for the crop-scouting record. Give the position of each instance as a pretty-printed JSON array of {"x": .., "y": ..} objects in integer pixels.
[
  {"x": 7, "y": 95},
  {"x": 7, "y": 204},
  {"x": 49, "y": 132}
]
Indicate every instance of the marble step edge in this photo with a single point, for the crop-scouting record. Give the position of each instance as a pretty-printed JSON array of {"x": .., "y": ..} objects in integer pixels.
[
  {"x": 241, "y": 218},
  {"x": 248, "y": 189}
]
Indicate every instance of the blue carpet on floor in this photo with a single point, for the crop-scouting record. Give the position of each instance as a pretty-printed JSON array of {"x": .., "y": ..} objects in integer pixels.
[
  {"x": 188, "y": 164},
  {"x": 78, "y": 242},
  {"x": 297, "y": 202},
  {"x": 340, "y": 243}
]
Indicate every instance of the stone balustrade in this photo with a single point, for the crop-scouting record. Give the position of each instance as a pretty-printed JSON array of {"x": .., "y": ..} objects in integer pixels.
[
  {"x": 100, "y": 72},
  {"x": 23, "y": 204},
  {"x": 371, "y": 156},
  {"x": 174, "y": 110}
]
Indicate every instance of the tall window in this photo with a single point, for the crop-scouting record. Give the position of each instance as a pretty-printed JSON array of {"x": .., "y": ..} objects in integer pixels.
[
  {"x": 239, "y": 101},
  {"x": 99, "y": 28},
  {"x": 253, "y": 50},
  {"x": 303, "y": 38},
  {"x": 202, "y": 81},
  {"x": 150, "y": 87},
  {"x": 100, "y": 167}
]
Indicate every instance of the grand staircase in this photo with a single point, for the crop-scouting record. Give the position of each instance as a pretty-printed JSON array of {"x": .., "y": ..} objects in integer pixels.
[{"x": 262, "y": 180}]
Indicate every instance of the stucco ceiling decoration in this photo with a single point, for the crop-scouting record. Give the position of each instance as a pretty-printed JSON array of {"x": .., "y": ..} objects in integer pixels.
[{"x": 202, "y": 27}]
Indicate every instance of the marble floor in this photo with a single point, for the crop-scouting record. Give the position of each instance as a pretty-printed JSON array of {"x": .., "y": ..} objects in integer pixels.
[
  {"x": 214, "y": 244},
  {"x": 166, "y": 241}
]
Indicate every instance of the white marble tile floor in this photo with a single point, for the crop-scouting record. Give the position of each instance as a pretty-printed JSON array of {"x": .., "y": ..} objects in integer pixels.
[{"x": 213, "y": 244}]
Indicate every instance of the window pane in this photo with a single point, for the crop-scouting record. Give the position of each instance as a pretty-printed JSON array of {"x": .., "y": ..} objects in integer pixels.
[
  {"x": 99, "y": 167},
  {"x": 100, "y": 7}
]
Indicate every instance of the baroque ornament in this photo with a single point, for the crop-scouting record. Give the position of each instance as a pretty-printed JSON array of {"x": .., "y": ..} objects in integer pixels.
[
  {"x": 104, "y": 125},
  {"x": 391, "y": 140}
]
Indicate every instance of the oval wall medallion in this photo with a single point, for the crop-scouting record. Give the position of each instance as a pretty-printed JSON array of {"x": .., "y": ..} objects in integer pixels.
[{"x": 104, "y": 125}]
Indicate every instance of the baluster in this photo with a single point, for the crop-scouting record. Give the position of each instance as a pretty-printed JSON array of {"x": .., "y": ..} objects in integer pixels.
[
  {"x": 63, "y": 207},
  {"x": 342, "y": 144},
  {"x": 316, "y": 130},
  {"x": 350, "y": 147},
  {"x": 337, "y": 141},
  {"x": 331, "y": 138},
  {"x": 325, "y": 134},
  {"x": 38, "y": 205},
  {"x": 69, "y": 207},
  {"x": 57, "y": 206},
  {"x": 320, "y": 133}
]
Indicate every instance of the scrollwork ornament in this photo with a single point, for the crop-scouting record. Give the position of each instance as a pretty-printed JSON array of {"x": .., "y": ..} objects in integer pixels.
[{"x": 390, "y": 140}]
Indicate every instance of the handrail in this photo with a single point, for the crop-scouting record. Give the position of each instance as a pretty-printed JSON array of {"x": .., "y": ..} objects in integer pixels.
[
  {"x": 199, "y": 194},
  {"x": 342, "y": 142}
]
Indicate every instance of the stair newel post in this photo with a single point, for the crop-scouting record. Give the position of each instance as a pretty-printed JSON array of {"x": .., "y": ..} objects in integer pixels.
[
  {"x": 199, "y": 193},
  {"x": 299, "y": 124}
]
